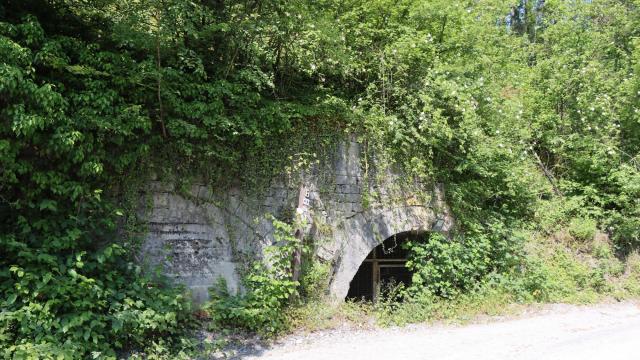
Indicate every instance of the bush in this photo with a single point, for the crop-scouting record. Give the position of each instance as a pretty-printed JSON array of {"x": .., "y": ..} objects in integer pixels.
[
  {"x": 445, "y": 268},
  {"x": 601, "y": 247},
  {"x": 314, "y": 280},
  {"x": 582, "y": 228},
  {"x": 53, "y": 314},
  {"x": 626, "y": 234},
  {"x": 269, "y": 289},
  {"x": 448, "y": 267},
  {"x": 554, "y": 273}
]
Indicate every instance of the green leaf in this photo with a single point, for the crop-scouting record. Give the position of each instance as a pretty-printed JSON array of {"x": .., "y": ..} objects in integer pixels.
[
  {"x": 48, "y": 205},
  {"x": 116, "y": 324},
  {"x": 12, "y": 298},
  {"x": 47, "y": 277}
]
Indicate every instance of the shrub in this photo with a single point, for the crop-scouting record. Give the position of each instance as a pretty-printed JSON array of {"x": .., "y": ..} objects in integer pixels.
[
  {"x": 54, "y": 314},
  {"x": 445, "y": 268},
  {"x": 582, "y": 228},
  {"x": 448, "y": 267},
  {"x": 269, "y": 289},
  {"x": 632, "y": 266},
  {"x": 314, "y": 280},
  {"x": 601, "y": 248}
]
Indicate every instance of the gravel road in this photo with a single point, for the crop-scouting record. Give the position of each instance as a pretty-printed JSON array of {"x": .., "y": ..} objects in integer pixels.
[{"x": 563, "y": 332}]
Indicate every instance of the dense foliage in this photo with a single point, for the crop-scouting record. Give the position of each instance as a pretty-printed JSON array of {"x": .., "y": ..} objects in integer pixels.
[
  {"x": 448, "y": 267},
  {"x": 535, "y": 126},
  {"x": 69, "y": 126}
]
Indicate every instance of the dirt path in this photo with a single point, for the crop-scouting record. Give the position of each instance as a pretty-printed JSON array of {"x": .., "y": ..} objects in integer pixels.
[{"x": 563, "y": 332}]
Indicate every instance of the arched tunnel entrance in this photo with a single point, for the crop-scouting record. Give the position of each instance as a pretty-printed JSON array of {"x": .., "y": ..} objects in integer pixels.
[{"x": 384, "y": 265}]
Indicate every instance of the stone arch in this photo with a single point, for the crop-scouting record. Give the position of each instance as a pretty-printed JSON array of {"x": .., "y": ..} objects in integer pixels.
[
  {"x": 212, "y": 232},
  {"x": 365, "y": 232}
]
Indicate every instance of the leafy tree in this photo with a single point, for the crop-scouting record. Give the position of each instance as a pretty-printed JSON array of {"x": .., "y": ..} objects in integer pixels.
[{"x": 95, "y": 95}]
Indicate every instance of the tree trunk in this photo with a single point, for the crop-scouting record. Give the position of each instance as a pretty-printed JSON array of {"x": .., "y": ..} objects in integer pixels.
[{"x": 548, "y": 174}]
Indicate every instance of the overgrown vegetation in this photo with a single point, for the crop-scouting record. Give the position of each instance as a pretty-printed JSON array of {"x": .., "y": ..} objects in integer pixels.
[
  {"x": 550, "y": 273},
  {"x": 269, "y": 288},
  {"x": 534, "y": 129}
]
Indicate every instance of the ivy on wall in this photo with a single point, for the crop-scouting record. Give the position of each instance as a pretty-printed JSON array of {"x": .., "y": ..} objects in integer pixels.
[{"x": 93, "y": 95}]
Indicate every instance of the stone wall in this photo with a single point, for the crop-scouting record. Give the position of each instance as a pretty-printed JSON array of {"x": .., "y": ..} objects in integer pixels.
[{"x": 352, "y": 207}]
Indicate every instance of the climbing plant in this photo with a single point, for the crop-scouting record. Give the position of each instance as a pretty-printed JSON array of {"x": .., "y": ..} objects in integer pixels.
[
  {"x": 269, "y": 288},
  {"x": 95, "y": 96}
]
